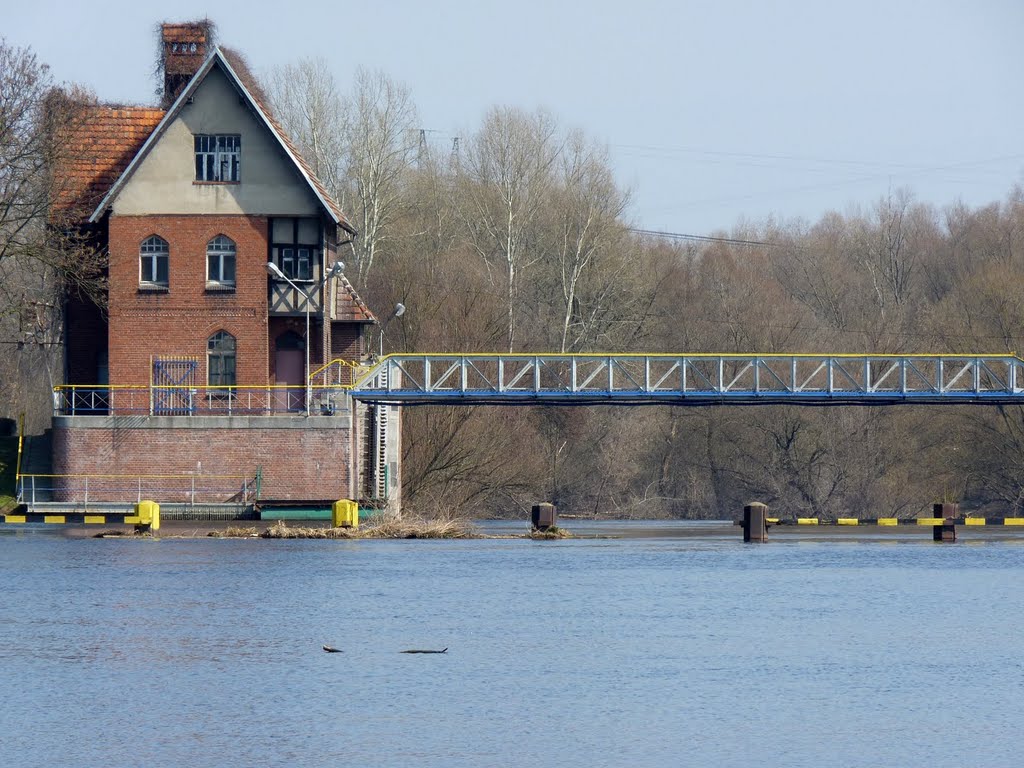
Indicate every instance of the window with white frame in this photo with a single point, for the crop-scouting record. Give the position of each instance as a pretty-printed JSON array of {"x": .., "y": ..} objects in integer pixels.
[
  {"x": 295, "y": 246},
  {"x": 220, "y": 261},
  {"x": 153, "y": 262},
  {"x": 220, "y": 360},
  {"x": 218, "y": 157}
]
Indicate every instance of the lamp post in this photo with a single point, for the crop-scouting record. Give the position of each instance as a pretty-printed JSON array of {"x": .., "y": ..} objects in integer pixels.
[
  {"x": 398, "y": 311},
  {"x": 335, "y": 271}
]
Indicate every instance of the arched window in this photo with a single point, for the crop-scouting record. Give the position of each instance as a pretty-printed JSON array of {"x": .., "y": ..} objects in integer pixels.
[
  {"x": 220, "y": 261},
  {"x": 220, "y": 360},
  {"x": 153, "y": 260}
]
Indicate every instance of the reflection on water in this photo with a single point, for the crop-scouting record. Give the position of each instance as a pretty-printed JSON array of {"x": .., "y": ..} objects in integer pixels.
[{"x": 669, "y": 644}]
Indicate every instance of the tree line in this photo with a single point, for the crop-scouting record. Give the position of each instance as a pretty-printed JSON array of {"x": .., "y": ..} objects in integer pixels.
[{"x": 519, "y": 239}]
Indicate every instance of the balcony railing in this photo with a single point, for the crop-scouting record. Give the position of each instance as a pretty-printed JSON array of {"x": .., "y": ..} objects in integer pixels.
[{"x": 109, "y": 400}]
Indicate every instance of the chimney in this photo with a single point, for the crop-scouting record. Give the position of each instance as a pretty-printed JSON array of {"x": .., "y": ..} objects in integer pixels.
[{"x": 183, "y": 53}]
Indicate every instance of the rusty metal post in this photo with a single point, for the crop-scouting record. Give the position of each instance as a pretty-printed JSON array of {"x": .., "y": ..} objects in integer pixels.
[
  {"x": 946, "y": 531},
  {"x": 755, "y": 522},
  {"x": 543, "y": 516}
]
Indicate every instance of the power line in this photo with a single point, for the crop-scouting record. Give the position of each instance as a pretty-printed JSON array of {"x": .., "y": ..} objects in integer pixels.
[{"x": 706, "y": 238}]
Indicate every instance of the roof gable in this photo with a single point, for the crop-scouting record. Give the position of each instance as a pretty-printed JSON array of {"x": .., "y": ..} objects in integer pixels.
[{"x": 253, "y": 98}]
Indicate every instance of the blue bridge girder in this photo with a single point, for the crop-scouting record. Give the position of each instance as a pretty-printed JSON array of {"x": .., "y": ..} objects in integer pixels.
[{"x": 691, "y": 379}]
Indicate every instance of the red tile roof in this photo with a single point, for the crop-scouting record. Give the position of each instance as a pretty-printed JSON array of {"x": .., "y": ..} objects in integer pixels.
[
  {"x": 100, "y": 146},
  {"x": 348, "y": 307}
]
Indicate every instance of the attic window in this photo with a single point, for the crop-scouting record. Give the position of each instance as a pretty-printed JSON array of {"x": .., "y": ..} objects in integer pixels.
[{"x": 218, "y": 157}]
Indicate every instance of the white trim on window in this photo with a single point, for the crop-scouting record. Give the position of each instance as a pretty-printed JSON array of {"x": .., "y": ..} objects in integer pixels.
[
  {"x": 154, "y": 262},
  {"x": 221, "y": 261}
]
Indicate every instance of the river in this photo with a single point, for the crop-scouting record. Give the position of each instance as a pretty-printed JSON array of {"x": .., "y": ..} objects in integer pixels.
[{"x": 643, "y": 644}]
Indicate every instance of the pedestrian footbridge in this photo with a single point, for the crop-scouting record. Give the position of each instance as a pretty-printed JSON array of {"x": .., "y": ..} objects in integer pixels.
[{"x": 691, "y": 379}]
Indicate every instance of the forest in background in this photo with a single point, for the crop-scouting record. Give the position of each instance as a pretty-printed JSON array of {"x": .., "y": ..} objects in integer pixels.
[{"x": 518, "y": 237}]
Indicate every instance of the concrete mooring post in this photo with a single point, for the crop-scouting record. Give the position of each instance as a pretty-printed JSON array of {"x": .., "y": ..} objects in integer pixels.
[
  {"x": 945, "y": 531},
  {"x": 543, "y": 516},
  {"x": 755, "y": 522}
]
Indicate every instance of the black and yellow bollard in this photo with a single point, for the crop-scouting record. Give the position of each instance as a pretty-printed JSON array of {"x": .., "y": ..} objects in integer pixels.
[
  {"x": 345, "y": 514},
  {"x": 946, "y": 530},
  {"x": 146, "y": 517},
  {"x": 755, "y": 522}
]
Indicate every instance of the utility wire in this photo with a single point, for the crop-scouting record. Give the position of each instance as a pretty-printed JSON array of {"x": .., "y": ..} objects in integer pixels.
[{"x": 706, "y": 238}]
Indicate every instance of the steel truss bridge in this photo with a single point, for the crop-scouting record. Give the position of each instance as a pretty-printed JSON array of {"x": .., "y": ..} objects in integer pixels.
[{"x": 694, "y": 380}]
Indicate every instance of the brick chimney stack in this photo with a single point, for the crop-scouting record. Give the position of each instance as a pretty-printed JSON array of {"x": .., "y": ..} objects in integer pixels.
[{"x": 184, "y": 50}]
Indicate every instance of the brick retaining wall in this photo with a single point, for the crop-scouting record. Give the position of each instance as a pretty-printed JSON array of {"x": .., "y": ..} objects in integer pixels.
[{"x": 308, "y": 458}]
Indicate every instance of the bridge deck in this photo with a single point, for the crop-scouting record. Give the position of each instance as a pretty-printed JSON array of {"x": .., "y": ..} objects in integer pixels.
[{"x": 692, "y": 379}]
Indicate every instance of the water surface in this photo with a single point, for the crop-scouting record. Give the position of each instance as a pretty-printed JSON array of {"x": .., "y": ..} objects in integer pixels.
[{"x": 639, "y": 650}]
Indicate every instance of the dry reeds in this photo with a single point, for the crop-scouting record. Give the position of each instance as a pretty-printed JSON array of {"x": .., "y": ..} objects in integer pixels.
[
  {"x": 552, "y": 532},
  {"x": 235, "y": 532},
  {"x": 384, "y": 527},
  {"x": 417, "y": 527}
]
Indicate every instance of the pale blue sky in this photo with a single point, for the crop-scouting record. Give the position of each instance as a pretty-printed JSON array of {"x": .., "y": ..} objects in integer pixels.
[{"x": 712, "y": 111}]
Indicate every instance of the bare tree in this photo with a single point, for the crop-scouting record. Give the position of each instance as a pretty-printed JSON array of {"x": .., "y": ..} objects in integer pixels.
[
  {"x": 589, "y": 205},
  {"x": 507, "y": 170},
  {"x": 307, "y": 102},
  {"x": 39, "y": 205},
  {"x": 380, "y": 122}
]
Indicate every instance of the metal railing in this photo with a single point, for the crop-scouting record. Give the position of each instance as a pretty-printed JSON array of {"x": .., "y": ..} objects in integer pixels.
[
  {"x": 112, "y": 400},
  {"x": 585, "y": 379},
  {"x": 692, "y": 379},
  {"x": 338, "y": 372},
  {"x": 189, "y": 488}
]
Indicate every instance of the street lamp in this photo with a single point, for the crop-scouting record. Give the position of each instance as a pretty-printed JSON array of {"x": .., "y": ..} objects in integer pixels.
[
  {"x": 335, "y": 271},
  {"x": 398, "y": 311}
]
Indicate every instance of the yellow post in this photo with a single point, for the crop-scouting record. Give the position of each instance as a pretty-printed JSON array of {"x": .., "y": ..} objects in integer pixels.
[
  {"x": 345, "y": 514},
  {"x": 148, "y": 513}
]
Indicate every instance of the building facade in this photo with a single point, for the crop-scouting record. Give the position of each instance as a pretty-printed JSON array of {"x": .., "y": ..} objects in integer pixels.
[{"x": 230, "y": 329}]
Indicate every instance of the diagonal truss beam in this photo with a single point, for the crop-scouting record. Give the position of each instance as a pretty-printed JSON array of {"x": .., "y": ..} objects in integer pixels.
[{"x": 691, "y": 379}]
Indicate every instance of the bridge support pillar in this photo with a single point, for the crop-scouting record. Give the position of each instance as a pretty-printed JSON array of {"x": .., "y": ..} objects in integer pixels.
[
  {"x": 755, "y": 522},
  {"x": 945, "y": 531}
]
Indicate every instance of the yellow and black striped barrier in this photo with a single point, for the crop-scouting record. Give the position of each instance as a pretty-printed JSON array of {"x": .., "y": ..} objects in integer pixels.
[
  {"x": 943, "y": 522},
  {"x": 145, "y": 516},
  {"x": 890, "y": 521}
]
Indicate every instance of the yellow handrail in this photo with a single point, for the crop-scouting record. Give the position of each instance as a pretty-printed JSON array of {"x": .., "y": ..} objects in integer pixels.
[
  {"x": 21, "y": 439},
  {"x": 338, "y": 361},
  {"x": 734, "y": 355}
]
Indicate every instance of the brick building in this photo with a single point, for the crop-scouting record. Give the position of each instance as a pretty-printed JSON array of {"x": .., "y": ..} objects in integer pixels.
[{"x": 229, "y": 325}]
